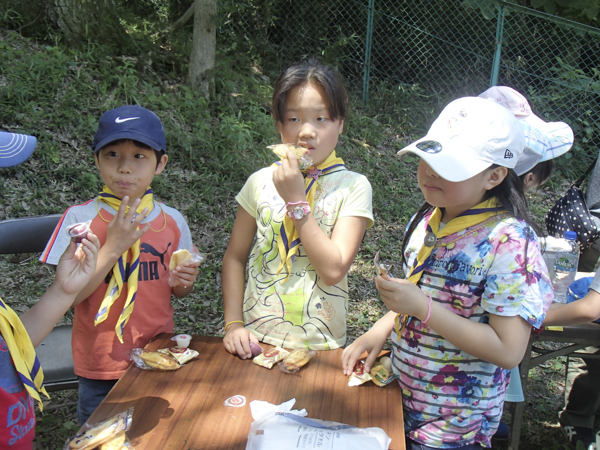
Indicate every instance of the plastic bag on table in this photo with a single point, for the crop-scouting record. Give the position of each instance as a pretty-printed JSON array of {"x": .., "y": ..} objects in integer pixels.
[
  {"x": 106, "y": 435},
  {"x": 276, "y": 427}
]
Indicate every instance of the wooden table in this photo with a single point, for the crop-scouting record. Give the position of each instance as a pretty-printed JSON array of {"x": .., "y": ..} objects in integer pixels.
[{"x": 183, "y": 409}]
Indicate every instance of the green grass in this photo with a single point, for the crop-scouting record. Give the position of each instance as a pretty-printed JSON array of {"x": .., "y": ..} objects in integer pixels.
[{"x": 58, "y": 95}]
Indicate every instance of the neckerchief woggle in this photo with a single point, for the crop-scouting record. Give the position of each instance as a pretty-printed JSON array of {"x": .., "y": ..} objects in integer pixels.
[
  {"x": 288, "y": 240},
  {"x": 22, "y": 352},
  {"x": 476, "y": 215},
  {"x": 117, "y": 281}
]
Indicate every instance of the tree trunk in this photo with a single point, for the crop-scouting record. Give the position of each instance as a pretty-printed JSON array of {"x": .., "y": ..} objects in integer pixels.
[
  {"x": 202, "y": 59},
  {"x": 85, "y": 20}
]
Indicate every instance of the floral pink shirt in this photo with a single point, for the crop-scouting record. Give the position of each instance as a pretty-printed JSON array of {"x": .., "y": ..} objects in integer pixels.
[{"x": 451, "y": 398}]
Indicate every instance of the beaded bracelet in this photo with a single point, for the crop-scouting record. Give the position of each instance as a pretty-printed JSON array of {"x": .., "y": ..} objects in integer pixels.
[
  {"x": 429, "y": 311},
  {"x": 233, "y": 321}
]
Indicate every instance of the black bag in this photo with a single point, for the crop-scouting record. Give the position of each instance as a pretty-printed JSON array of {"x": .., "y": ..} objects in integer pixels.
[{"x": 571, "y": 213}]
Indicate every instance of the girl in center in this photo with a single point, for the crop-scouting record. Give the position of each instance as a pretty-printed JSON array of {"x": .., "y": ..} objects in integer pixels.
[
  {"x": 297, "y": 231},
  {"x": 476, "y": 281}
]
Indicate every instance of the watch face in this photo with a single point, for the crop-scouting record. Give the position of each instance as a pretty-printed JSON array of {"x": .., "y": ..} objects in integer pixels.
[{"x": 298, "y": 213}]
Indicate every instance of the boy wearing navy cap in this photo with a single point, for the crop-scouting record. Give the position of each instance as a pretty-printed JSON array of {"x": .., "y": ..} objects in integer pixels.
[
  {"x": 21, "y": 376},
  {"x": 128, "y": 301}
]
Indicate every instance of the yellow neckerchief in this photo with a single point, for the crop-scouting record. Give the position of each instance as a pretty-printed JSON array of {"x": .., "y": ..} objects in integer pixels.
[
  {"x": 118, "y": 272},
  {"x": 288, "y": 241},
  {"x": 22, "y": 352},
  {"x": 477, "y": 214}
]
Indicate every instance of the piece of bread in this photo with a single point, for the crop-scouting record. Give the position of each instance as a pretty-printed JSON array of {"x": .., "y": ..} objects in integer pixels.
[
  {"x": 116, "y": 443},
  {"x": 281, "y": 149},
  {"x": 295, "y": 360},
  {"x": 99, "y": 434},
  {"x": 159, "y": 360},
  {"x": 179, "y": 258}
]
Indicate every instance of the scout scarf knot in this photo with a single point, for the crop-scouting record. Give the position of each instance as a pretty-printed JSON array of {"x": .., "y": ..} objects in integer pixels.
[
  {"x": 117, "y": 281},
  {"x": 288, "y": 241},
  {"x": 476, "y": 215}
]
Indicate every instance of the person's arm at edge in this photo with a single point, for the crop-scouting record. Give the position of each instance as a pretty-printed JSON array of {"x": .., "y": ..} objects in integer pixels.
[{"x": 584, "y": 310}]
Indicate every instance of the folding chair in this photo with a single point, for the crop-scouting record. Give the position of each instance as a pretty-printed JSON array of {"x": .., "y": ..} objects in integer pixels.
[{"x": 30, "y": 235}]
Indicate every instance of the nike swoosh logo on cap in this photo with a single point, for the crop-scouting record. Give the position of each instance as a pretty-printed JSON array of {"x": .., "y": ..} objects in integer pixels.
[{"x": 119, "y": 120}]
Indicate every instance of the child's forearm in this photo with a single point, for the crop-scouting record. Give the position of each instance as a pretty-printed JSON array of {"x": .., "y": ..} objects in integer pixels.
[
  {"x": 233, "y": 281},
  {"x": 45, "y": 314},
  {"x": 332, "y": 257},
  {"x": 581, "y": 311}
]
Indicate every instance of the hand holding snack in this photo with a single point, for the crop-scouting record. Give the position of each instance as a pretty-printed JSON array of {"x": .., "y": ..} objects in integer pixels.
[
  {"x": 299, "y": 152},
  {"x": 183, "y": 267},
  {"x": 240, "y": 341}
]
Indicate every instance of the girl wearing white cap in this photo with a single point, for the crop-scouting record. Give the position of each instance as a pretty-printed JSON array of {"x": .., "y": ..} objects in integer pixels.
[{"x": 476, "y": 281}]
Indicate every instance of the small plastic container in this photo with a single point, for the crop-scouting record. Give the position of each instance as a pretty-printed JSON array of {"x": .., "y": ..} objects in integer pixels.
[
  {"x": 79, "y": 231},
  {"x": 183, "y": 340}
]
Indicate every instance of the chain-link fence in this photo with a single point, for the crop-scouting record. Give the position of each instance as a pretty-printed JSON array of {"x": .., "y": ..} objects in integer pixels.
[{"x": 446, "y": 47}]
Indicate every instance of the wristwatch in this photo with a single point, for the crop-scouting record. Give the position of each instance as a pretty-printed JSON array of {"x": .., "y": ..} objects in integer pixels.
[{"x": 298, "y": 212}]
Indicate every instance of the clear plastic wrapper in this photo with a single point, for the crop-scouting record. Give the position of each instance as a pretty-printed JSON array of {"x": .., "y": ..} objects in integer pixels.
[
  {"x": 295, "y": 360},
  {"x": 383, "y": 269},
  {"x": 106, "y": 435},
  {"x": 180, "y": 258},
  {"x": 270, "y": 357},
  {"x": 150, "y": 360},
  {"x": 304, "y": 160},
  {"x": 359, "y": 376},
  {"x": 78, "y": 232}
]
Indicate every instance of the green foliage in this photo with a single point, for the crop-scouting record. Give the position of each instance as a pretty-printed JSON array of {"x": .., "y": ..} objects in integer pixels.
[{"x": 584, "y": 11}]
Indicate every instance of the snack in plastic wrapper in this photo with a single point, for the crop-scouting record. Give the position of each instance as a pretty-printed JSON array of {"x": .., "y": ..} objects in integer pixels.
[
  {"x": 181, "y": 354},
  {"x": 97, "y": 435},
  {"x": 359, "y": 376},
  {"x": 383, "y": 269},
  {"x": 270, "y": 357},
  {"x": 119, "y": 442},
  {"x": 180, "y": 258},
  {"x": 379, "y": 375},
  {"x": 295, "y": 360},
  {"x": 79, "y": 231},
  {"x": 149, "y": 360},
  {"x": 304, "y": 160}
]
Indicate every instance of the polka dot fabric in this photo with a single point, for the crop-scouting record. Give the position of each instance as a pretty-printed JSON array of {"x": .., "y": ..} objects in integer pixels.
[{"x": 571, "y": 213}]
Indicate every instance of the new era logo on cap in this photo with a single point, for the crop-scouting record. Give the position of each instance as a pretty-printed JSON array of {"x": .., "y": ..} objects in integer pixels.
[
  {"x": 508, "y": 154},
  {"x": 130, "y": 122}
]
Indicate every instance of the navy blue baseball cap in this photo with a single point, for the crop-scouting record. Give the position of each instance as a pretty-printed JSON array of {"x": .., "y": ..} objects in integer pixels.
[
  {"x": 15, "y": 148},
  {"x": 130, "y": 122}
]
